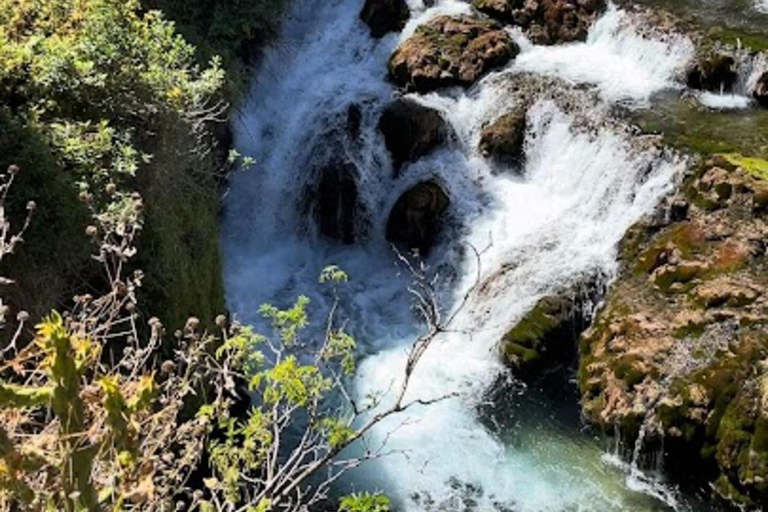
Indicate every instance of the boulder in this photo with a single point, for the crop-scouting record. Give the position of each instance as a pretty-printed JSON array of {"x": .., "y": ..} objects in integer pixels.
[
  {"x": 504, "y": 139},
  {"x": 547, "y": 336},
  {"x": 546, "y": 21},
  {"x": 354, "y": 121},
  {"x": 384, "y": 16},
  {"x": 714, "y": 73},
  {"x": 450, "y": 50},
  {"x": 336, "y": 203},
  {"x": 760, "y": 92},
  {"x": 411, "y": 130},
  {"x": 415, "y": 220}
]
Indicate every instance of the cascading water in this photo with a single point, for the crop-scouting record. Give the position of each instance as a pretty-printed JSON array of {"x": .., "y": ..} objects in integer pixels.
[{"x": 584, "y": 183}]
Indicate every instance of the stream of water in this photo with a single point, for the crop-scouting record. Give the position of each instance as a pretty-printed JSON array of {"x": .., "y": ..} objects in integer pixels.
[{"x": 554, "y": 222}]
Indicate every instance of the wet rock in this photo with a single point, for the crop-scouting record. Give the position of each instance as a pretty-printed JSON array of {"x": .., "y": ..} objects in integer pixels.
[
  {"x": 411, "y": 130},
  {"x": 354, "y": 121},
  {"x": 716, "y": 73},
  {"x": 760, "y": 92},
  {"x": 336, "y": 203},
  {"x": 450, "y": 50},
  {"x": 678, "y": 210},
  {"x": 504, "y": 139},
  {"x": 546, "y": 21},
  {"x": 415, "y": 220},
  {"x": 546, "y": 337},
  {"x": 384, "y": 16}
]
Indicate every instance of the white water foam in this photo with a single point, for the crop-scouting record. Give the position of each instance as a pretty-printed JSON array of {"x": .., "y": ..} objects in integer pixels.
[
  {"x": 624, "y": 63},
  {"x": 724, "y": 101},
  {"x": 557, "y": 223}
]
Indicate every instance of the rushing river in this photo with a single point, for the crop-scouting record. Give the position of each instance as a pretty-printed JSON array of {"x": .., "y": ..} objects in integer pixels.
[{"x": 553, "y": 223}]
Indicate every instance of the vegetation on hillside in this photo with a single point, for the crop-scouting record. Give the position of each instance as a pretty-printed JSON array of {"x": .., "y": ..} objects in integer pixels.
[{"x": 103, "y": 100}]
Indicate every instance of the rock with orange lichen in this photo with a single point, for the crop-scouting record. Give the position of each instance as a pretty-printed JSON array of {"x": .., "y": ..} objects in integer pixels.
[{"x": 681, "y": 343}]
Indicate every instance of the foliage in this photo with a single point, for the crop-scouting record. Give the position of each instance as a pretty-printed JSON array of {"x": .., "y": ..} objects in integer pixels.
[
  {"x": 93, "y": 416},
  {"x": 102, "y": 98},
  {"x": 364, "y": 502},
  {"x": 227, "y": 28}
]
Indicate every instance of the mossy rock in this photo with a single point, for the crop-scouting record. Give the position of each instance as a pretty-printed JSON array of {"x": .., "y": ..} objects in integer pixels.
[
  {"x": 547, "y": 336},
  {"x": 449, "y": 51}
]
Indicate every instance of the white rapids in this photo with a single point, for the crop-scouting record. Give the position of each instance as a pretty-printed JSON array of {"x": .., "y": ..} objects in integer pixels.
[{"x": 556, "y": 222}]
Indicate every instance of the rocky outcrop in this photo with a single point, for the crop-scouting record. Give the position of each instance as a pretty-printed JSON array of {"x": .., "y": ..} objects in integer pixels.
[
  {"x": 416, "y": 218},
  {"x": 384, "y": 16},
  {"x": 546, "y": 338},
  {"x": 714, "y": 72},
  {"x": 335, "y": 201},
  {"x": 450, "y": 50},
  {"x": 411, "y": 130},
  {"x": 760, "y": 91},
  {"x": 681, "y": 345},
  {"x": 504, "y": 139},
  {"x": 546, "y": 21}
]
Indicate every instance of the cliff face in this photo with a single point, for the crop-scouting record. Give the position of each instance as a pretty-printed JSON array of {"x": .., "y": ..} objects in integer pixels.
[{"x": 679, "y": 349}]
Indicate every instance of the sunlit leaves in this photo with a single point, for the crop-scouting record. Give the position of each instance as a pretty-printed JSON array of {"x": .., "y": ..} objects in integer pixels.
[
  {"x": 289, "y": 322},
  {"x": 333, "y": 274},
  {"x": 294, "y": 383},
  {"x": 337, "y": 432},
  {"x": 365, "y": 502}
]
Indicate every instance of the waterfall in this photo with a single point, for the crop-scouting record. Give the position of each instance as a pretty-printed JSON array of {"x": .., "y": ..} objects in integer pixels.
[{"x": 585, "y": 181}]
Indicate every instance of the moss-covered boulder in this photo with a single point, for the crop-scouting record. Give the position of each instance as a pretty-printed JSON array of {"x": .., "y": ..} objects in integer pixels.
[
  {"x": 416, "y": 218},
  {"x": 504, "y": 139},
  {"x": 547, "y": 336},
  {"x": 450, "y": 50},
  {"x": 546, "y": 21},
  {"x": 681, "y": 343},
  {"x": 384, "y": 16},
  {"x": 411, "y": 130}
]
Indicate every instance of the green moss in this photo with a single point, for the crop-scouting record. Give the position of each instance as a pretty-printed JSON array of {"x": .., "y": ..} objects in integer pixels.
[
  {"x": 689, "y": 127},
  {"x": 760, "y": 440},
  {"x": 687, "y": 237},
  {"x": 692, "y": 330},
  {"x": 626, "y": 370},
  {"x": 518, "y": 354},
  {"x": 758, "y": 167},
  {"x": 732, "y": 36},
  {"x": 535, "y": 325}
]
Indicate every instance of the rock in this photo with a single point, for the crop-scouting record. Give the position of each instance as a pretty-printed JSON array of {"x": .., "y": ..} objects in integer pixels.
[
  {"x": 450, "y": 50},
  {"x": 383, "y": 16},
  {"x": 760, "y": 91},
  {"x": 415, "y": 220},
  {"x": 760, "y": 200},
  {"x": 546, "y": 337},
  {"x": 354, "y": 121},
  {"x": 682, "y": 332},
  {"x": 504, "y": 139},
  {"x": 411, "y": 130},
  {"x": 714, "y": 73},
  {"x": 546, "y": 21},
  {"x": 726, "y": 292},
  {"x": 336, "y": 204}
]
